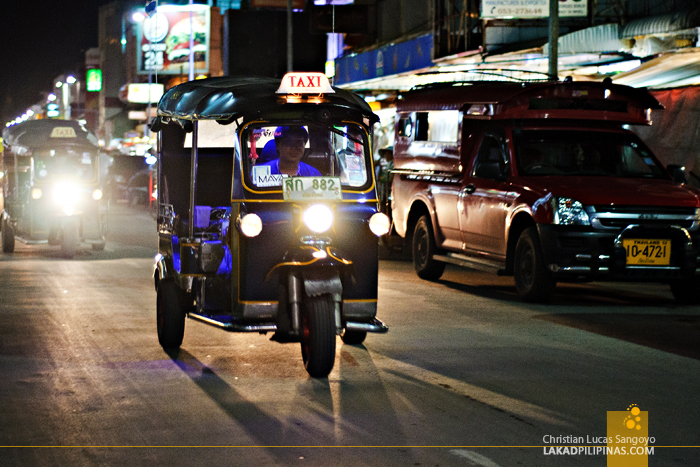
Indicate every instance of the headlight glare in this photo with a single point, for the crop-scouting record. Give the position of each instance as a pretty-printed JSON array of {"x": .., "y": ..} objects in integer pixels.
[
  {"x": 250, "y": 225},
  {"x": 97, "y": 194},
  {"x": 318, "y": 218},
  {"x": 379, "y": 224},
  {"x": 36, "y": 193},
  {"x": 66, "y": 195},
  {"x": 568, "y": 211}
]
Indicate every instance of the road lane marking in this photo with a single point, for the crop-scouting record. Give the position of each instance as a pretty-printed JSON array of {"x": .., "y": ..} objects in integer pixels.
[{"x": 475, "y": 458}]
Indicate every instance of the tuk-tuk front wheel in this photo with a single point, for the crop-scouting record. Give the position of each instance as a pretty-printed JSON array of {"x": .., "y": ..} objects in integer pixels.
[
  {"x": 8, "y": 237},
  {"x": 318, "y": 335},
  {"x": 170, "y": 314},
  {"x": 69, "y": 242}
]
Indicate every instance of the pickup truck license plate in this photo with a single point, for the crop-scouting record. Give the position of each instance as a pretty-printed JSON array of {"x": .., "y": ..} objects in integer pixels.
[{"x": 647, "y": 251}]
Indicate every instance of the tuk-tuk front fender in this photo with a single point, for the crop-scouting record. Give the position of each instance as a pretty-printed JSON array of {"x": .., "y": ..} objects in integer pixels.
[{"x": 306, "y": 257}]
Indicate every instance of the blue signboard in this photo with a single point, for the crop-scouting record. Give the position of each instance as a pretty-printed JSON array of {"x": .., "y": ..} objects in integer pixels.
[{"x": 387, "y": 60}]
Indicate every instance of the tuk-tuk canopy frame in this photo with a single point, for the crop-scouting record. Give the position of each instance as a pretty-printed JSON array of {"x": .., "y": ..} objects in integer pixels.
[
  {"x": 226, "y": 99},
  {"x": 37, "y": 134}
]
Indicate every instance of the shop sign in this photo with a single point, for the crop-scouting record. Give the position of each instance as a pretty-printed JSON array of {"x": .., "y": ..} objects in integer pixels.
[
  {"x": 164, "y": 40},
  {"x": 531, "y": 8}
]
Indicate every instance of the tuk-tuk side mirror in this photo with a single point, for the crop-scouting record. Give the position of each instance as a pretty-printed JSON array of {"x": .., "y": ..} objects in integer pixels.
[{"x": 677, "y": 172}]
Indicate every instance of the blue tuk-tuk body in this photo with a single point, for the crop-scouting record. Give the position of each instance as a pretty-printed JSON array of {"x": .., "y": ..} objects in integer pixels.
[{"x": 245, "y": 246}]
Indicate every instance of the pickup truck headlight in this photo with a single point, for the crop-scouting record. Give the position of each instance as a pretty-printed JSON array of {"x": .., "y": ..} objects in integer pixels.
[{"x": 568, "y": 211}]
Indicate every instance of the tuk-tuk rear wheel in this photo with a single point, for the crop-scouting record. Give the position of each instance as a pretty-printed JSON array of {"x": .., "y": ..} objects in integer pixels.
[
  {"x": 8, "y": 237},
  {"x": 353, "y": 337},
  {"x": 318, "y": 335},
  {"x": 170, "y": 314}
]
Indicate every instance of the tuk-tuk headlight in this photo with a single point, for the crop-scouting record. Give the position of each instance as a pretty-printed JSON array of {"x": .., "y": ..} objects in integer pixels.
[
  {"x": 318, "y": 218},
  {"x": 379, "y": 224},
  {"x": 249, "y": 225},
  {"x": 66, "y": 195},
  {"x": 36, "y": 193},
  {"x": 97, "y": 194}
]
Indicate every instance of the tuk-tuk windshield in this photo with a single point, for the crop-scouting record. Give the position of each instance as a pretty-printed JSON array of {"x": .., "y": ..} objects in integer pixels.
[
  {"x": 64, "y": 163},
  {"x": 275, "y": 152}
]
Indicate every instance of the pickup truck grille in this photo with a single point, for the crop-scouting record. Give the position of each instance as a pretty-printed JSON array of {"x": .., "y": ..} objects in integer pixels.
[{"x": 620, "y": 216}]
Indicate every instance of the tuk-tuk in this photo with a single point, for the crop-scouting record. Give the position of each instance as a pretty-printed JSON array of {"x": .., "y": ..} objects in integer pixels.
[
  {"x": 52, "y": 186},
  {"x": 268, "y": 218}
]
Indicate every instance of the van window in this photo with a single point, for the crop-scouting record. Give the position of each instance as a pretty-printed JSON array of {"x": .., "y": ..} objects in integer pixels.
[{"x": 440, "y": 126}]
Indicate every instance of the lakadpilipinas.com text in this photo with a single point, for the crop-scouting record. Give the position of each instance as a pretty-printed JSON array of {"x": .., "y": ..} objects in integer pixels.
[{"x": 598, "y": 445}]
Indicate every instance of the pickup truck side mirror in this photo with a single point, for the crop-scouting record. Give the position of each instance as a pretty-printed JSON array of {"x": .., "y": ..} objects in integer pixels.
[{"x": 677, "y": 172}]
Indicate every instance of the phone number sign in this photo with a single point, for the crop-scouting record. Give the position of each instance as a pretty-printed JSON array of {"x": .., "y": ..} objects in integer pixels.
[{"x": 531, "y": 8}]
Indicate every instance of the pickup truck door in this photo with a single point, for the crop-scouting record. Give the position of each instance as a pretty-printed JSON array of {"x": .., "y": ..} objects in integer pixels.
[{"x": 484, "y": 200}]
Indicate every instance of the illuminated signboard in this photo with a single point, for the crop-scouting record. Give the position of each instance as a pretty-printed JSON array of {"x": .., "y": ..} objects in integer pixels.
[
  {"x": 142, "y": 93},
  {"x": 531, "y": 8},
  {"x": 164, "y": 40},
  {"x": 94, "y": 80}
]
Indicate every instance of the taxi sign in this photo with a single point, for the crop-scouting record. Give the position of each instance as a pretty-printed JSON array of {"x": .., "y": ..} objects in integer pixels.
[
  {"x": 304, "y": 83},
  {"x": 63, "y": 132},
  {"x": 312, "y": 189}
]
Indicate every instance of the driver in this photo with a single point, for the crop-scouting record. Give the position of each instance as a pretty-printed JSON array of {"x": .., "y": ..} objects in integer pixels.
[{"x": 291, "y": 147}]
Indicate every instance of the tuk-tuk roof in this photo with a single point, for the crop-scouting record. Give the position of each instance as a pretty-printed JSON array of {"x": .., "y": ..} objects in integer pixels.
[
  {"x": 227, "y": 98},
  {"x": 48, "y": 133}
]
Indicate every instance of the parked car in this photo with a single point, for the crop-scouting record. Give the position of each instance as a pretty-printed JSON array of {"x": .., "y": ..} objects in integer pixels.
[{"x": 544, "y": 182}]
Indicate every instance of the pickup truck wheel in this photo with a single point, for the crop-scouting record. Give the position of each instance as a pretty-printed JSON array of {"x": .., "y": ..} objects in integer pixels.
[
  {"x": 8, "y": 237},
  {"x": 318, "y": 335},
  {"x": 533, "y": 281},
  {"x": 686, "y": 291},
  {"x": 424, "y": 248},
  {"x": 170, "y": 314}
]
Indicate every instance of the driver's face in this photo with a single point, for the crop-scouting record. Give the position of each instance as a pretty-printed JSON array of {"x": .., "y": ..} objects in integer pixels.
[{"x": 291, "y": 148}]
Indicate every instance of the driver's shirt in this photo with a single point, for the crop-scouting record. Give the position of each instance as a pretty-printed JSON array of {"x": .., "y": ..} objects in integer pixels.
[{"x": 304, "y": 170}]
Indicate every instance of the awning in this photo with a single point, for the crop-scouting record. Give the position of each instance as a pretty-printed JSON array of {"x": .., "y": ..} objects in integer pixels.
[
  {"x": 663, "y": 24},
  {"x": 669, "y": 70},
  {"x": 596, "y": 39}
]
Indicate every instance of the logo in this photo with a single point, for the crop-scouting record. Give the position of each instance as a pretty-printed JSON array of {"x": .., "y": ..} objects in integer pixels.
[{"x": 629, "y": 443}]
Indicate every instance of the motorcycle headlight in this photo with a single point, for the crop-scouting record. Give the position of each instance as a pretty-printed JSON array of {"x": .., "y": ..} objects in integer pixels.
[
  {"x": 379, "y": 224},
  {"x": 97, "y": 194},
  {"x": 568, "y": 211},
  {"x": 66, "y": 195},
  {"x": 36, "y": 193},
  {"x": 318, "y": 218},
  {"x": 250, "y": 225}
]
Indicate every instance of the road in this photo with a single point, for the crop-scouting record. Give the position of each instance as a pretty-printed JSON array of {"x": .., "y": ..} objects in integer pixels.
[{"x": 467, "y": 375}]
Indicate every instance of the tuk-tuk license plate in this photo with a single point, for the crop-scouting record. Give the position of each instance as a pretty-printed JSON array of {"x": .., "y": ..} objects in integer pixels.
[
  {"x": 312, "y": 189},
  {"x": 647, "y": 251}
]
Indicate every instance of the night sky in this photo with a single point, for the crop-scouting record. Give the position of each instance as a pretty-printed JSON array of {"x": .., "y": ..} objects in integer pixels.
[{"x": 41, "y": 39}]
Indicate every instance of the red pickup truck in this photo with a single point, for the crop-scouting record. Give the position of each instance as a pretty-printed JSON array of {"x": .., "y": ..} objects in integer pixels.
[{"x": 543, "y": 181}]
